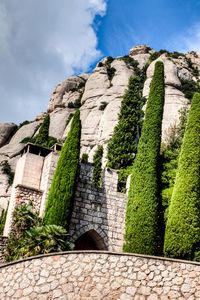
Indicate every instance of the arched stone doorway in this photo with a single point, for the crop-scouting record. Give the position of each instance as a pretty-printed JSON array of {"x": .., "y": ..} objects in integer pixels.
[{"x": 90, "y": 240}]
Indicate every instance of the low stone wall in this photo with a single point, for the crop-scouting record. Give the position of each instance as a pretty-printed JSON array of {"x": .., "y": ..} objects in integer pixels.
[{"x": 99, "y": 275}]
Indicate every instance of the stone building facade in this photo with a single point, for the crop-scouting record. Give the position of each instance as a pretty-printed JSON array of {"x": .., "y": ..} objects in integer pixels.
[
  {"x": 33, "y": 176},
  {"x": 98, "y": 214}
]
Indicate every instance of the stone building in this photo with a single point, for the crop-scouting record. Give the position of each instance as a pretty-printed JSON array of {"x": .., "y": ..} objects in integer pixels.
[{"x": 97, "y": 218}]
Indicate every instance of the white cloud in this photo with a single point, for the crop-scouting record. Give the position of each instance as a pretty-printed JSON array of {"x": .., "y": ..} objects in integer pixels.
[
  {"x": 41, "y": 43},
  {"x": 187, "y": 41}
]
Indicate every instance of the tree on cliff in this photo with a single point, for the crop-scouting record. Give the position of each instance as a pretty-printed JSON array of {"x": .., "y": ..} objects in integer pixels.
[
  {"x": 123, "y": 144},
  {"x": 182, "y": 237},
  {"x": 143, "y": 200},
  {"x": 61, "y": 192}
]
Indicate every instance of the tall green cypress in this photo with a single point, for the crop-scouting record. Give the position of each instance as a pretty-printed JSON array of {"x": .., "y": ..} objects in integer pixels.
[
  {"x": 61, "y": 192},
  {"x": 142, "y": 208},
  {"x": 43, "y": 134},
  {"x": 123, "y": 144},
  {"x": 182, "y": 237}
]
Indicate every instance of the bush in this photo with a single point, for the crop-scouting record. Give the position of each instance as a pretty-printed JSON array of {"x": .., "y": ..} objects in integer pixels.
[
  {"x": 61, "y": 192},
  {"x": 43, "y": 134},
  {"x": 29, "y": 237},
  {"x": 97, "y": 171},
  {"x": 43, "y": 240},
  {"x": 130, "y": 62},
  {"x": 123, "y": 144},
  {"x": 6, "y": 169},
  {"x": 183, "y": 224},
  {"x": 143, "y": 201},
  {"x": 189, "y": 87},
  {"x": 24, "y": 218},
  {"x": 3, "y": 220},
  {"x": 84, "y": 158}
]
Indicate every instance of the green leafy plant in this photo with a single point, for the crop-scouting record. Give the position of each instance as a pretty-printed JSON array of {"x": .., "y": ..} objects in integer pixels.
[
  {"x": 29, "y": 237},
  {"x": 6, "y": 169},
  {"x": 97, "y": 171},
  {"x": 189, "y": 87},
  {"x": 123, "y": 144},
  {"x": 141, "y": 234},
  {"x": 61, "y": 192},
  {"x": 2, "y": 220},
  {"x": 43, "y": 240},
  {"x": 84, "y": 158},
  {"x": 182, "y": 234}
]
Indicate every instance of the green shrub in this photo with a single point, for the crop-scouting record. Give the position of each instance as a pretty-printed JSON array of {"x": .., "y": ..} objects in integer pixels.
[
  {"x": 141, "y": 234},
  {"x": 6, "y": 169},
  {"x": 29, "y": 237},
  {"x": 24, "y": 218},
  {"x": 43, "y": 240},
  {"x": 189, "y": 87},
  {"x": 61, "y": 192},
  {"x": 24, "y": 123},
  {"x": 75, "y": 104},
  {"x": 97, "y": 171},
  {"x": 43, "y": 134},
  {"x": 2, "y": 220},
  {"x": 130, "y": 62},
  {"x": 183, "y": 224},
  {"x": 123, "y": 144},
  {"x": 84, "y": 158}
]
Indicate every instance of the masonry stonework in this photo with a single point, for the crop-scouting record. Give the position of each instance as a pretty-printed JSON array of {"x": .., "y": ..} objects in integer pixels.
[
  {"x": 99, "y": 211},
  {"x": 100, "y": 275}
]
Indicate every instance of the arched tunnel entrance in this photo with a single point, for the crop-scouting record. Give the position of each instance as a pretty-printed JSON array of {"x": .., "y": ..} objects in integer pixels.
[{"x": 90, "y": 240}]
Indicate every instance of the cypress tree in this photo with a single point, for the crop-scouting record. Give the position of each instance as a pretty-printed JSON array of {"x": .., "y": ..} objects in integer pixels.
[
  {"x": 182, "y": 235},
  {"x": 43, "y": 134},
  {"x": 142, "y": 209},
  {"x": 61, "y": 192},
  {"x": 123, "y": 144},
  {"x": 97, "y": 171}
]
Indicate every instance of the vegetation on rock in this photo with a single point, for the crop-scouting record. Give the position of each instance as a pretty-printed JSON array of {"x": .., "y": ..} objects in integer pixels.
[
  {"x": 143, "y": 201},
  {"x": 6, "y": 169},
  {"x": 42, "y": 138},
  {"x": 182, "y": 237},
  {"x": 122, "y": 147},
  {"x": 123, "y": 144},
  {"x": 2, "y": 220},
  {"x": 61, "y": 192},
  {"x": 169, "y": 159},
  {"x": 189, "y": 88},
  {"x": 97, "y": 171}
]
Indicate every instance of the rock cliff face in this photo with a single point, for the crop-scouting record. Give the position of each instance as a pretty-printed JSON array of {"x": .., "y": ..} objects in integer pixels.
[{"x": 99, "y": 96}]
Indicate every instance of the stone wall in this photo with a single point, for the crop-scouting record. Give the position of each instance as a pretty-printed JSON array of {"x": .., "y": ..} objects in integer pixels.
[
  {"x": 99, "y": 211},
  {"x": 24, "y": 194},
  {"x": 100, "y": 275}
]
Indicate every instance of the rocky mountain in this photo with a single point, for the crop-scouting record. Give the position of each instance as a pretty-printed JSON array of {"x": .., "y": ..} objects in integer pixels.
[{"x": 99, "y": 97}]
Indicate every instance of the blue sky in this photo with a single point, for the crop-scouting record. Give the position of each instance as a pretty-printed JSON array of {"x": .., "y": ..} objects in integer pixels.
[
  {"x": 158, "y": 23},
  {"x": 44, "y": 42}
]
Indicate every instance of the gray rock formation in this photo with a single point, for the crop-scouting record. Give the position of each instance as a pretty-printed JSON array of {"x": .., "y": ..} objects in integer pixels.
[{"x": 6, "y": 131}]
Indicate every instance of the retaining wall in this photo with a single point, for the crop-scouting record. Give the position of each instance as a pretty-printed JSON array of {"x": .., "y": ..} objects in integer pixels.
[{"x": 97, "y": 275}]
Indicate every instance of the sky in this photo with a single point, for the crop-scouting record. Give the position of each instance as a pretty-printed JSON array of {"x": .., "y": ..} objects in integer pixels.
[{"x": 44, "y": 42}]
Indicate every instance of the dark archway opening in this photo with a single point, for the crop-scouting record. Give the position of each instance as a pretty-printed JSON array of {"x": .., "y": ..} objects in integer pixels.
[{"x": 90, "y": 241}]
